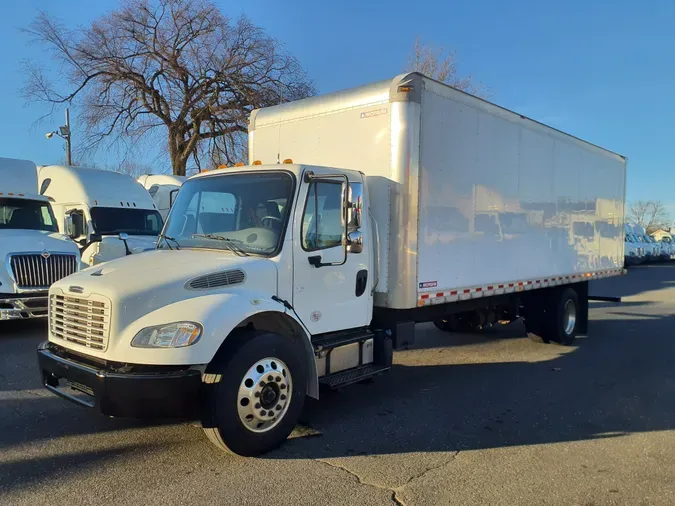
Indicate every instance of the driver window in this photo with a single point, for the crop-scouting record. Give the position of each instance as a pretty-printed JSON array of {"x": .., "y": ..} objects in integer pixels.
[{"x": 322, "y": 225}]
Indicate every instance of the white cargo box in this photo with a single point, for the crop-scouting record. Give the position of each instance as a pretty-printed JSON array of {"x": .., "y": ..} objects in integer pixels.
[{"x": 470, "y": 199}]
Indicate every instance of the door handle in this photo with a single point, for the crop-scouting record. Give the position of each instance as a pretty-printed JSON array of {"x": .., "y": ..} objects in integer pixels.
[{"x": 315, "y": 261}]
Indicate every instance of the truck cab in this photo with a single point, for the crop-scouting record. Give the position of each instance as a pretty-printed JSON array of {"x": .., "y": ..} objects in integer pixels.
[
  {"x": 163, "y": 189},
  {"x": 257, "y": 262},
  {"x": 108, "y": 214},
  {"x": 33, "y": 254}
]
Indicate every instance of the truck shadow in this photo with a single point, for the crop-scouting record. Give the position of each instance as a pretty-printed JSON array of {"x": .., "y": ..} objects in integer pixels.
[{"x": 617, "y": 382}]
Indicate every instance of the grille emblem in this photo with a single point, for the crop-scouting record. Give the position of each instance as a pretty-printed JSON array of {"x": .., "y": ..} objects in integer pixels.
[
  {"x": 45, "y": 255},
  {"x": 77, "y": 289}
]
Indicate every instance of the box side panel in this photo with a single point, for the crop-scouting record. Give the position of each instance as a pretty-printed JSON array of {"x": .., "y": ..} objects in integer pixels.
[
  {"x": 350, "y": 138},
  {"x": 503, "y": 198}
]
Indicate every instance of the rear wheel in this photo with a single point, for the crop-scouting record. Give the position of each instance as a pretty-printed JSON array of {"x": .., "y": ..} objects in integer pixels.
[
  {"x": 254, "y": 394},
  {"x": 555, "y": 319}
]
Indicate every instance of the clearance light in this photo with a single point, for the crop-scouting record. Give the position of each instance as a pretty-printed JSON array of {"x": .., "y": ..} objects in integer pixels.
[
  {"x": 222, "y": 166},
  {"x": 405, "y": 89},
  {"x": 257, "y": 162},
  {"x": 239, "y": 164},
  {"x": 288, "y": 160}
]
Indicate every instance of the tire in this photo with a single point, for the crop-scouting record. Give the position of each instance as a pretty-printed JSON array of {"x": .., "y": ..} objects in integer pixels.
[
  {"x": 556, "y": 319},
  {"x": 566, "y": 317},
  {"x": 442, "y": 325},
  {"x": 254, "y": 366}
]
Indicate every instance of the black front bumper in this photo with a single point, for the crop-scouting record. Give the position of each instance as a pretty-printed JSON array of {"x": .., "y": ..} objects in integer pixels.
[{"x": 156, "y": 392}]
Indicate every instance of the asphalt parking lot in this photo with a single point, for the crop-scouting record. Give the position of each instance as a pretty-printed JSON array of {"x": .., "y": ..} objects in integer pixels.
[{"x": 489, "y": 418}]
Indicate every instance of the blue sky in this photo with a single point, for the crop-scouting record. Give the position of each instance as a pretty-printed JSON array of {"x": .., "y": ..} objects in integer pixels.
[{"x": 601, "y": 70}]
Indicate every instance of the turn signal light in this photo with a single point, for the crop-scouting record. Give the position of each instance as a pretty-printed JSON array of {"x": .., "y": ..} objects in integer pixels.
[{"x": 288, "y": 160}]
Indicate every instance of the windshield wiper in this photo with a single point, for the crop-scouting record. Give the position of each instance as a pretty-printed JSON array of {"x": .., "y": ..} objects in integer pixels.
[
  {"x": 232, "y": 244},
  {"x": 167, "y": 239}
]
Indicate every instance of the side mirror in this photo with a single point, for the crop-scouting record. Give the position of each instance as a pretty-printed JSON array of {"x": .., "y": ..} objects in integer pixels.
[
  {"x": 70, "y": 227},
  {"x": 123, "y": 236},
  {"x": 355, "y": 206},
  {"x": 355, "y": 242}
]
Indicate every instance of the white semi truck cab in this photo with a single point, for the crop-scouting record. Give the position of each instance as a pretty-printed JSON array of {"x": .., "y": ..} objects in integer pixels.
[
  {"x": 33, "y": 254},
  {"x": 273, "y": 279},
  {"x": 108, "y": 214}
]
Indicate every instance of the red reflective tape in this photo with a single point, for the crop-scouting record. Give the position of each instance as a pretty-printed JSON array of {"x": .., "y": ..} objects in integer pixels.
[
  {"x": 454, "y": 292},
  {"x": 520, "y": 284},
  {"x": 500, "y": 286},
  {"x": 510, "y": 285},
  {"x": 529, "y": 282},
  {"x": 440, "y": 294},
  {"x": 479, "y": 289},
  {"x": 491, "y": 287},
  {"x": 467, "y": 291},
  {"x": 425, "y": 296}
]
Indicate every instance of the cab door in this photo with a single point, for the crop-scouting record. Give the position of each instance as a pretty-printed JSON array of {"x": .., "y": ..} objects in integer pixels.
[{"x": 330, "y": 285}]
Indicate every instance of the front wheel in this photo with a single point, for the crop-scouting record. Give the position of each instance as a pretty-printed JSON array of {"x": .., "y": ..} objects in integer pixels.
[{"x": 254, "y": 393}]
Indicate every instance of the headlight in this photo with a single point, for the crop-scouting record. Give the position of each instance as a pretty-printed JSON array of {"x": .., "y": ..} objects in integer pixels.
[{"x": 170, "y": 335}]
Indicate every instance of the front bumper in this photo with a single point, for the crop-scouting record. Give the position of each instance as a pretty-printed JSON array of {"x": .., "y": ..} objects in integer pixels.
[
  {"x": 13, "y": 307},
  {"x": 137, "y": 392}
]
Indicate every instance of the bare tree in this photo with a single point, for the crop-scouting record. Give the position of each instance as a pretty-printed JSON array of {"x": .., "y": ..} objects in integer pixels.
[
  {"x": 180, "y": 65},
  {"x": 650, "y": 214},
  {"x": 442, "y": 65}
]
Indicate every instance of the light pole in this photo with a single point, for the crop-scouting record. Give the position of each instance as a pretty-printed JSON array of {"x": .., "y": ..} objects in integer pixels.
[{"x": 64, "y": 133}]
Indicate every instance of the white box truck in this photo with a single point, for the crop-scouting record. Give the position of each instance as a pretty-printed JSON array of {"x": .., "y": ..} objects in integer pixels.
[
  {"x": 163, "y": 189},
  {"x": 399, "y": 202},
  {"x": 33, "y": 254},
  {"x": 107, "y": 213}
]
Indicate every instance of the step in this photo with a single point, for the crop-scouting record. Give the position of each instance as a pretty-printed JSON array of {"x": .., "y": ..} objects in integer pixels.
[
  {"x": 344, "y": 378},
  {"x": 335, "y": 339}
]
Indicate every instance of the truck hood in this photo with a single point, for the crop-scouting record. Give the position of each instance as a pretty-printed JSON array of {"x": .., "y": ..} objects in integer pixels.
[
  {"x": 139, "y": 284},
  {"x": 34, "y": 241},
  {"x": 29, "y": 241}
]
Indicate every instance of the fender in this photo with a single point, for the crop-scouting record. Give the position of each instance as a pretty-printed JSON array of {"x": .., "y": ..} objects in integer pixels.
[{"x": 219, "y": 314}]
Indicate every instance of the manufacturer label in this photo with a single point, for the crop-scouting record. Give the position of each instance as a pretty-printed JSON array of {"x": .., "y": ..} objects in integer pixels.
[
  {"x": 376, "y": 112},
  {"x": 429, "y": 284}
]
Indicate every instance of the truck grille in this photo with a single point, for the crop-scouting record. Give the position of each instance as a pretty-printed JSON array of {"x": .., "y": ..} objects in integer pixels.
[
  {"x": 35, "y": 271},
  {"x": 83, "y": 321}
]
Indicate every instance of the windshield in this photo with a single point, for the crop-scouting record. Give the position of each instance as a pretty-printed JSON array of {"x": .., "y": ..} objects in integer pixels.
[
  {"x": 114, "y": 220},
  {"x": 27, "y": 215},
  {"x": 246, "y": 212}
]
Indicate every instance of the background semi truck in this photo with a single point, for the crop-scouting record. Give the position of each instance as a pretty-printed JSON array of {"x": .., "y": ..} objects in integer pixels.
[
  {"x": 163, "y": 189},
  {"x": 32, "y": 252},
  {"x": 399, "y": 202},
  {"x": 107, "y": 213}
]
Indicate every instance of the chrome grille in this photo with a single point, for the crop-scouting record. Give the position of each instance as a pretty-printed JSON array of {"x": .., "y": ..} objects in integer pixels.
[
  {"x": 216, "y": 279},
  {"x": 79, "y": 320},
  {"x": 32, "y": 270}
]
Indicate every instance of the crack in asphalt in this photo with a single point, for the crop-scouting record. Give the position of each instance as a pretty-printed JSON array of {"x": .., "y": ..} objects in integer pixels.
[{"x": 395, "y": 499}]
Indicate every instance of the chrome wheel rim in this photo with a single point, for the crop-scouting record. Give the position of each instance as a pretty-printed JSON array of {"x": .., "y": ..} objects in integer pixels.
[
  {"x": 570, "y": 318},
  {"x": 264, "y": 395}
]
